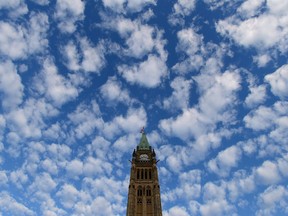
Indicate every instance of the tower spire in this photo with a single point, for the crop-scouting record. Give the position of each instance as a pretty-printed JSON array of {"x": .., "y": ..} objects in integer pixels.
[
  {"x": 144, "y": 189},
  {"x": 143, "y": 144}
]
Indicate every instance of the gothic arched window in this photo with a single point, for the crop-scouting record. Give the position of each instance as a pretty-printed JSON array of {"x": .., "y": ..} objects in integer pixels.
[
  {"x": 139, "y": 191},
  {"x": 148, "y": 191}
]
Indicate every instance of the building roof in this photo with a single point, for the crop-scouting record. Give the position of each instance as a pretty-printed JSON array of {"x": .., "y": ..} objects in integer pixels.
[{"x": 144, "y": 144}]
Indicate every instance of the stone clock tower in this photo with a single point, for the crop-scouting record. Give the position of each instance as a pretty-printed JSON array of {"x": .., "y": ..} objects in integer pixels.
[{"x": 144, "y": 190}]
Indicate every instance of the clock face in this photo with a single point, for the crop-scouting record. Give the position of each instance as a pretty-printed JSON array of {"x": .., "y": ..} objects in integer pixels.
[{"x": 144, "y": 157}]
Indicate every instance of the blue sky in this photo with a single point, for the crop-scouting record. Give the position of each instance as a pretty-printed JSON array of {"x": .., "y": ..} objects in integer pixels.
[{"x": 207, "y": 79}]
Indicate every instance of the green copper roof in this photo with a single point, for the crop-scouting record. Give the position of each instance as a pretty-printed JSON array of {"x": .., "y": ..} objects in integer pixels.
[{"x": 144, "y": 144}]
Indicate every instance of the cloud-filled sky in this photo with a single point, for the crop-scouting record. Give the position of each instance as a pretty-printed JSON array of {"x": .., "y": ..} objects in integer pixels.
[{"x": 208, "y": 79}]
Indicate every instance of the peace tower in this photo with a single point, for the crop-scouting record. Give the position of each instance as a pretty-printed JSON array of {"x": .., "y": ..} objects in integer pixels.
[{"x": 144, "y": 190}]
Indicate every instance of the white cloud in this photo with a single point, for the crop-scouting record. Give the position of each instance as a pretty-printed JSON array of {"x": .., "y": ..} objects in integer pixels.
[
  {"x": 122, "y": 6},
  {"x": 260, "y": 119},
  {"x": 3, "y": 178},
  {"x": 248, "y": 146},
  {"x": 54, "y": 132},
  {"x": 189, "y": 187},
  {"x": 74, "y": 168},
  {"x": 86, "y": 119},
  {"x": 174, "y": 162},
  {"x": 2, "y": 129},
  {"x": 51, "y": 209},
  {"x": 113, "y": 92},
  {"x": 111, "y": 192},
  {"x": 115, "y": 5},
  {"x": 89, "y": 177},
  {"x": 279, "y": 134},
  {"x": 34, "y": 152},
  {"x": 18, "y": 41},
  {"x": 282, "y": 164},
  {"x": 68, "y": 13},
  {"x": 272, "y": 144},
  {"x": 218, "y": 97},
  {"x": 68, "y": 195},
  {"x": 268, "y": 173},
  {"x": 12, "y": 42},
  {"x": 212, "y": 191},
  {"x": 250, "y": 8},
  {"x": 42, "y": 188},
  {"x": 53, "y": 85},
  {"x": 264, "y": 31},
  {"x": 72, "y": 56},
  {"x": 11, "y": 206},
  {"x": 96, "y": 167},
  {"x": 264, "y": 118},
  {"x": 101, "y": 207},
  {"x": 214, "y": 201},
  {"x": 37, "y": 33},
  {"x": 180, "y": 95},
  {"x": 136, "y": 5},
  {"x": 86, "y": 57},
  {"x": 28, "y": 121},
  {"x": 11, "y": 86},
  {"x": 149, "y": 73},
  {"x": 277, "y": 7},
  {"x": 195, "y": 151},
  {"x": 19, "y": 178},
  {"x": 50, "y": 166},
  {"x": 194, "y": 207},
  {"x": 59, "y": 152},
  {"x": 125, "y": 27},
  {"x": 279, "y": 82},
  {"x": 262, "y": 60},
  {"x": 273, "y": 201},
  {"x": 125, "y": 144},
  {"x": 217, "y": 208},
  {"x": 22, "y": 68},
  {"x": 15, "y": 8},
  {"x": 178, "y": 157},
  {"x": 256, "y": 96},
  {"x": 181, "y": 9},
  {"x": 220, "y": 4},
  {"x": 189, "y": 123},
  {"x": 184, "y": 7},
  {"x": 241, "y": 183},
  {"x": 225, "y": 161},
  {"x": 190, "y": 43},
  {"x": 176, "y": 211},
  {"x": 218, "y": 93},
  {"x": 41, "y": 2},
  {"x": 93, "y": 57},
  {"x": 213, "y": 140},
  {"x": 140, "y": 39},
  {"x": 135, "y": 118}
]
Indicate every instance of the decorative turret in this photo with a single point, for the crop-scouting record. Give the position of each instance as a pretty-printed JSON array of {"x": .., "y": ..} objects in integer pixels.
[
  {"x": 134, "y": 154},
  {"x": 153, "y": 154}
]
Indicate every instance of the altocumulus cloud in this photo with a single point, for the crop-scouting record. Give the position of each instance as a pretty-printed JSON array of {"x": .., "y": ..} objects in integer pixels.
[{"x": 79, "y": 79}]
